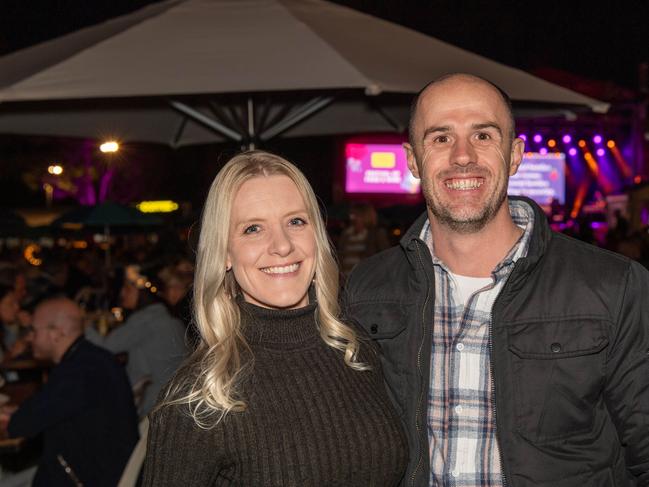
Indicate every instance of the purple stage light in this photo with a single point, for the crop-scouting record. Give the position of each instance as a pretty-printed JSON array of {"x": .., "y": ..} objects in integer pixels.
[
  {"x": 538, "y": 138},
  {"x": 597, "y": 139},
  {"x": 572, "y": 151},
  {"x": 600, "y": 152},
  {"x": 543, "y": 150},
  {"x": 523, "y": 137},
  {"x": 566, "y": 139}
]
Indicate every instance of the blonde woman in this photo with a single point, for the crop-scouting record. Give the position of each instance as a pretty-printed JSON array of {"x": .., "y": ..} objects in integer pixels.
[{"x": 280, "y": 392}]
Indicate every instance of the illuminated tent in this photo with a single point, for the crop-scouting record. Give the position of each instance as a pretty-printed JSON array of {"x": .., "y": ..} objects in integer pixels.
[{"x": 185, "y": 72}]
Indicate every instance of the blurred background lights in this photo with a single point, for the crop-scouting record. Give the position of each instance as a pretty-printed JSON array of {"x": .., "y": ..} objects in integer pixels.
[
  {"x": 600, "y": 152},
  {"x": 610, "y": 144},
  {"x": 543, "y": 150},
  {"x": 581, "y": 143},
  {"x": 597, "y": 139},
  {"x": 55, "y": 169},
  {"x": 566, "y": 139},
  {"x": 572, "y": 151},
  {"x": 109, "y": 146},
  {"x": 552, "y": 143},
  {"x": 538, "y": 138},
  {"x": 523, "y": 137}
]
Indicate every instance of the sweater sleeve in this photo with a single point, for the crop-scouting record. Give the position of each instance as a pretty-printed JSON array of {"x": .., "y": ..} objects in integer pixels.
[
  {"x": 122, "y": 339},
  {"x": 180, "y": 453}
]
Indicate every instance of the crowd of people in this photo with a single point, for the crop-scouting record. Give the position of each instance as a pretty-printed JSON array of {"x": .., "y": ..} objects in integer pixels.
[{"x": 482, "y": 350}]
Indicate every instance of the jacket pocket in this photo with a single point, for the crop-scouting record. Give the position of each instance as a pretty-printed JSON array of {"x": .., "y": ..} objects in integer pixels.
[
  {"x": 385, "y": 323},
  {"x": 558, "y": 372},
  {"x": 602, "y": 478}
]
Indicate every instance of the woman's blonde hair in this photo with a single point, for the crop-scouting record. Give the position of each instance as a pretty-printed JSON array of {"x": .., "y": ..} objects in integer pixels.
[{"x": 215, "y": 368}]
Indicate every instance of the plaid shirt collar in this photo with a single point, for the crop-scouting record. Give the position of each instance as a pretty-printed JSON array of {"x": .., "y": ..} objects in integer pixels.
[{"x": 523, "y": 216}]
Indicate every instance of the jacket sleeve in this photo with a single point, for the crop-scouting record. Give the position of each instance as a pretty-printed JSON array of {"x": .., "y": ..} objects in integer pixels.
[
  {"x": 60, "y": 398},
  {"x": 627, "y": 385},
  {"x": 180, "y": 453}
]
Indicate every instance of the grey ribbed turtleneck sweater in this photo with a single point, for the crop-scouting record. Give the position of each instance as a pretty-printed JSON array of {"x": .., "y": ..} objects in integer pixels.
[{"x": 311, "y": 420}]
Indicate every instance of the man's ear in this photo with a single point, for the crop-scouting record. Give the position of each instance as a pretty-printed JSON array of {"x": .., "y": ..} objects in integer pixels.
[
  {"x": 412, "y": 161},
  {"x": 518, "y": 149}
]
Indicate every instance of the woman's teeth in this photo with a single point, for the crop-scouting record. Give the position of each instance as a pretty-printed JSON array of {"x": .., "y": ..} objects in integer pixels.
[{"x": 281, "y": 269}]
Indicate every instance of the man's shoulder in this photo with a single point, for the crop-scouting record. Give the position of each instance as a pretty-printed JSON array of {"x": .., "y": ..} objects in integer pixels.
[
  {"x": 89, "y": 358},
  {"x": 378, "y": 267},
  {"x": 390, "y": 278},
  {"x": 587, "y": 257}
]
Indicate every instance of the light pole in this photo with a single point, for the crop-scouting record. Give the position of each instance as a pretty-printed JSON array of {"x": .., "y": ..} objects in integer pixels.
[
  {"x": 55, "y": 170},
  {"x": 110, "y": 147}
]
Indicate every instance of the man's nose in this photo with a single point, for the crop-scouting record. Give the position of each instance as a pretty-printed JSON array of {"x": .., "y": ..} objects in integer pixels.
[{"x": 463, "y": 152}]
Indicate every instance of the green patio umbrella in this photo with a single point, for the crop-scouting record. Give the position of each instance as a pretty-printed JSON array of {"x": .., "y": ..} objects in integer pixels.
[{"x": 106, "y": 216}]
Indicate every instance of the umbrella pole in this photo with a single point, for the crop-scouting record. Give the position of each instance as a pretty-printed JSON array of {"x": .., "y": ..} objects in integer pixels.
[
  {"x": 107, "y": 238},
  {"x": 106, "y": 263},
  {"x": 251, "y": 124}
]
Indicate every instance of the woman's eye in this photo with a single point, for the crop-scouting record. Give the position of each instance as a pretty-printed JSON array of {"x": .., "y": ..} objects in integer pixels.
[
  {"x": 251, "y": 229},
  {"x": 297, "y": 221}
]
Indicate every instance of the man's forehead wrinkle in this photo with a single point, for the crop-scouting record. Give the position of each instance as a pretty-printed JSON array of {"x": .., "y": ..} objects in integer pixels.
[{"x": 437, "y": 111}]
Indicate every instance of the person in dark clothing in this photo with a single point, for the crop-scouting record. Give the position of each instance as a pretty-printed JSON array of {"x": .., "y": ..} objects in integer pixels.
[
  {"x": 280, "y": 392},
  {"x": 85, "y": 411},
  {"x": 518, "y": 356}
]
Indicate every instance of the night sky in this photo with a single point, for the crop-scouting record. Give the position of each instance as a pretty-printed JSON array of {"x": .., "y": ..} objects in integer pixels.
[{"x": 605, "y": 42}]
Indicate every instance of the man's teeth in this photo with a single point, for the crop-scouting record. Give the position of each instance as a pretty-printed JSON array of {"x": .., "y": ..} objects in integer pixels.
[
  {"x": 281, "y": 270},
  {"x": 464, "y": 184}
]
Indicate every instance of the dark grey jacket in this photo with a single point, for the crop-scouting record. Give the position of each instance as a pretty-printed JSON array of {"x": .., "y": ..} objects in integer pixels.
[{"x": 570, "y": 357}]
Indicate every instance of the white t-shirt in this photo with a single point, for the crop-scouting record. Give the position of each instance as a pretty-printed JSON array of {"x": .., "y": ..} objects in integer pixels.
[{"x": 466, "y": 286}]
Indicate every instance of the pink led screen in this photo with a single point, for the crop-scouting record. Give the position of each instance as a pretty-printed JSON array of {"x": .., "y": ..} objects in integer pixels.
[{"x": 378, "y": 168}]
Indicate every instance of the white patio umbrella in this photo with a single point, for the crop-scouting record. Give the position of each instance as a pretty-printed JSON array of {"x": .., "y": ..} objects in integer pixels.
[{"x": 197, "y": 71}]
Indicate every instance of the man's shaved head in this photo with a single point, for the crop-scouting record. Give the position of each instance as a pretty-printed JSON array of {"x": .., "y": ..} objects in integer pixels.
[
  {"x": 414, "y": 107},
  {"x": 63, "y": 314},
  {"x": 57, "y": 323}
]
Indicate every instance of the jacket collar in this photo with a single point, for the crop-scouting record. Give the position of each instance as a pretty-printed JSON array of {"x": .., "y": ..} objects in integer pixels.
[
  {"x": 541, "y": 234},
  {"x": 72, "y": 348}
]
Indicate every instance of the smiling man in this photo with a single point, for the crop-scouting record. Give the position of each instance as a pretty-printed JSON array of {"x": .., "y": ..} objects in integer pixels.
[{"x": 517, "y": 356}]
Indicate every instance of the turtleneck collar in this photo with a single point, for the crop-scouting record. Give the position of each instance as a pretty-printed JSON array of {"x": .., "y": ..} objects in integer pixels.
[{"x": 278, "y": 328}]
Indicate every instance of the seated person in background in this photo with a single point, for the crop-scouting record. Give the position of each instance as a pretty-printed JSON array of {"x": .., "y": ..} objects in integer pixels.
[
  {"x": 177, "y": 296},
  {"x": 362, "y": 238},
  {"x": 176, "y": 292},
  {"x": 12, "y": 344},
  {"x": 85, "y": 411},
  {"x": 153, "y": 339}
]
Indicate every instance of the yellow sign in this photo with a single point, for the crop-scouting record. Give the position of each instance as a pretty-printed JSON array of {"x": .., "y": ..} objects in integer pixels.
[
  {"x": 162, "y": 206},
  {"x": 383, "y": 160}
]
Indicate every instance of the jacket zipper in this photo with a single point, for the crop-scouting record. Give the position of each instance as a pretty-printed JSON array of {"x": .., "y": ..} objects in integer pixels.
[
  {"x": 421, "y": 394},
  {"x": 493, "y": 381}
]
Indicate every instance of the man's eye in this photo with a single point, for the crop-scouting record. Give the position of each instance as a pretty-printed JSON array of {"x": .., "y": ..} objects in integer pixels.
[
  {"x": 297, "y": 221},
  {"x": 442, "y": 139},
  {"x": 483, "y": 136},
  {"x": 251, "y": 229}
]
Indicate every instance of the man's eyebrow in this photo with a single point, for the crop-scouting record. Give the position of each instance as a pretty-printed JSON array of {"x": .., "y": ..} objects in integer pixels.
[
  {"x": 488, "y": 125},
  {"x": 435, "y": 130}
]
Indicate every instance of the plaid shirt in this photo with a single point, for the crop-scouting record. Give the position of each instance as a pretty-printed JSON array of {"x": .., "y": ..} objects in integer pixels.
[{"x": 461, "y": 425}]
